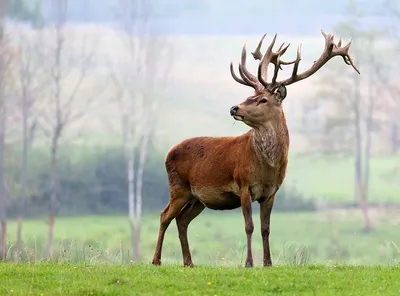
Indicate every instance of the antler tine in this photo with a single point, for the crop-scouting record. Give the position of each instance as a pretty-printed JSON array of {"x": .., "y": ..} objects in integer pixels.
[
  {"x": 244, "y": 73},
  {"x": 257, "y": 55},
  {"x": 328, "y": 37},
  {"x": 344, "y": 53},
  {"x": 249, "y": 82},
  {"x": 277, "y": 61},
  {"x": 263, "y": 66},
  {"x": 297, "y": 61},
  {"x": 276, "y": 70},
  {"x": 280, "y": 53},
  {"x": 339, "y": 44},
  {"x": 237, "y": 79},
  {"x": 281, "y": 50}
]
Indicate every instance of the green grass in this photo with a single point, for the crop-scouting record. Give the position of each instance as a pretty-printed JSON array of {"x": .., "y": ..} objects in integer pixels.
[
  {"x": 218, "y": 238},
  {"x": 67, "y": 279}
]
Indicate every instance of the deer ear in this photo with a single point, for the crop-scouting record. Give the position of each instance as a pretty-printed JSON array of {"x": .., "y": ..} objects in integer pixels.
[{"x": 280, "y": 94}]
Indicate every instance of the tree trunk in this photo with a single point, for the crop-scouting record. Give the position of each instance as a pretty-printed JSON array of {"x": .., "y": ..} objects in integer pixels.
[
  {"x": 131, "y": 199},
  {"x": 131, "y": 184},
  {"x": 3, "y": 197},
  {"x": 59, "y": 125},
  {"x": 130, "y": 171},
  {"x": 3, "y": 213},
  {"x": 364, "y": 207},
  {"x": 53, "y": 192},
  {"x": 139, "y": 188},
  {"x": 136, "y": 238},
  {"x": 3, "y": 239},
  {"x": 357, "y": 140},
  {"x": 17, "y": 255},
  {"x": 394, "y": 136},
  {"x": 368, "y": 134},
  {"x": 24, "y": 174}
]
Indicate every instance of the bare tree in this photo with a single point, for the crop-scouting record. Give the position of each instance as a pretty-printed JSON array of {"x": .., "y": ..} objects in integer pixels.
[
  {"x": 8, "y": 55},
  {"x": 63, "y": 108},
  {"x": 353, "y": 110},
  {"x": 3, "y": 216},
  {"x": 385, "y": 74},
  {"x": 137, "y": 80},
  {"x": 30, "y": 80}
]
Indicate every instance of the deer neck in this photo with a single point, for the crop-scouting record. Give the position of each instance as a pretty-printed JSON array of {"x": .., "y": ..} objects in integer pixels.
[{"x": 270, "y": 142}]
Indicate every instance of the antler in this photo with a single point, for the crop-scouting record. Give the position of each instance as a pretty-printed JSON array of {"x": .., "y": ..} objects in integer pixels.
[
  {"x": 331, "y": 50},
  {"x": 260, "y": 82}
]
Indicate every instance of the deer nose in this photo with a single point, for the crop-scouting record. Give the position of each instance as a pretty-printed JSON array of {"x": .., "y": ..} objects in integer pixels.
[{"x": 234, "y": 110}]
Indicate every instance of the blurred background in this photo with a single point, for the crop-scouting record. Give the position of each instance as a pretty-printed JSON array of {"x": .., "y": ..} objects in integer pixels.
[{"x": 93, "y": 94}]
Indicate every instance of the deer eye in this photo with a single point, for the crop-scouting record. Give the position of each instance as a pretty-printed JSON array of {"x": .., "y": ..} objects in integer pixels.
[{"x": 263, "y": 100}]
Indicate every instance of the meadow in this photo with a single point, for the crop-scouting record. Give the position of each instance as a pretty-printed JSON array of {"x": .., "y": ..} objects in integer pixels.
[
  {"x": 331, "y": 178},
  {"x": 313, "y": 254},
  {"x": 218, "y": 239},
  {"x": 71, "y": 279}
]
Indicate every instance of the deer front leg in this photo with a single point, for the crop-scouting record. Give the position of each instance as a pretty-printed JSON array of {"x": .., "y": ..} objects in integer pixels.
[
  {"x": 265, "y": 217},
  {"x": 249, "y": 226}
]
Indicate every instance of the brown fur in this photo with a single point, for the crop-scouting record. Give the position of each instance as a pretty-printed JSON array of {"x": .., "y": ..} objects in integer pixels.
[{"x": 224, "y": 173}]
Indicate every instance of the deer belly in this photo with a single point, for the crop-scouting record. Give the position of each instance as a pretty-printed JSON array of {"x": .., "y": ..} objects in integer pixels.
[{"x": 217, "y": 199}]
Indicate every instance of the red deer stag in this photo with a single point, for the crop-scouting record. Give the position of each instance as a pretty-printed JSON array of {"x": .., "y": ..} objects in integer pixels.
[{"x": 224, "y": 173}]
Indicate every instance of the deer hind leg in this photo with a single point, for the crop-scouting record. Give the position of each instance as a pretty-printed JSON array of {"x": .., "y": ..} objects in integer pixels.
[
  {"x": 178, "y": 199},
  {"x": 188, "y": 213}
]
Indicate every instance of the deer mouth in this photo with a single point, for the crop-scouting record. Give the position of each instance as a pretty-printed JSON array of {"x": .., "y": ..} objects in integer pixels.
[{"x": 238, "y": 117}]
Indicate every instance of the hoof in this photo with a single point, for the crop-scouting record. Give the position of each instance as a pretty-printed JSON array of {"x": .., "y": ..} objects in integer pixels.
[
  {"x": 189, "y": 264},
  {"x": 249, "y": 264},
  {"x": 268, "y": 264},
  {"x": 156, "y": 262}
]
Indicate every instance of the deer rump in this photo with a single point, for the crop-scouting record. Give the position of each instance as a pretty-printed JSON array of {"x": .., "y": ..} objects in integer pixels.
[{"x": 210, "y": 170}]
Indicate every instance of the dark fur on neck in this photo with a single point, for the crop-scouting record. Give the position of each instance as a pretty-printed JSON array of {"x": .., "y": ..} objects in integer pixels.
[{"x": 271, "y": 141}]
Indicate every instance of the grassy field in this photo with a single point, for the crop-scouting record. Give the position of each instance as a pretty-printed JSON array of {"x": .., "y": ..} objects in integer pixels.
[
  {"x": 67, "y": 279},
  {"x": 332, "y": 178},
  {"x": 218, "y": 238}
]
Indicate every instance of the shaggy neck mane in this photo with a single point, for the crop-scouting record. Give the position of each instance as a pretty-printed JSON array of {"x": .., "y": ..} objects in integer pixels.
[{"x": 270, "y": 141}]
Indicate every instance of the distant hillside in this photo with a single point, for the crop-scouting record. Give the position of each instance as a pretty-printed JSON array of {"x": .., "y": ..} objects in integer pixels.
[{"x": 200, "y": 90}]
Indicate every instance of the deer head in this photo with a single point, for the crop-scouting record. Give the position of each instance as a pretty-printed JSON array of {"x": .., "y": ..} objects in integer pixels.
[{"x": 265, "y": 104}]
